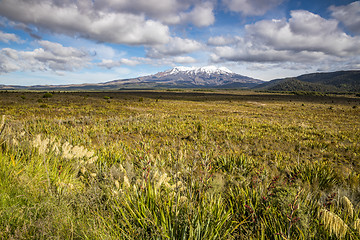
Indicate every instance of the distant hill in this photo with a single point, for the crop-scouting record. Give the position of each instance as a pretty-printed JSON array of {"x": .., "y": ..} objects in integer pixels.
[{"x": 341, "y": 81}]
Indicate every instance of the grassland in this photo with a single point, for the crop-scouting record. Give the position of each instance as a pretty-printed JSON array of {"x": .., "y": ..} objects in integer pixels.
[{"x": 179, "y": 165}]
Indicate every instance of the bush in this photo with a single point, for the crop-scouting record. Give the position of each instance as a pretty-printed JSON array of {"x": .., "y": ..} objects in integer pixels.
[{"x": 47, "y": 95}]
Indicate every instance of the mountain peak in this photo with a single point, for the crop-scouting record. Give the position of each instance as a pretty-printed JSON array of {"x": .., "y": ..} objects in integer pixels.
[
  {"x": 208, "y": 76},
  {"x": 197, "y": 70}
]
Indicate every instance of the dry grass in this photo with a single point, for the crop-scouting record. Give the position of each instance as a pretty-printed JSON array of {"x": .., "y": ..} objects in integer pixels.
[{"x": 190, "y": 165}]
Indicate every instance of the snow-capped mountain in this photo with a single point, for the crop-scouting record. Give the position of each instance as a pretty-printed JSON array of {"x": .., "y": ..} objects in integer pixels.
[
  {"x": 178, "y": 77},
  {"x": 193, "y": 70},
  {"x": 209, "y": 76}
]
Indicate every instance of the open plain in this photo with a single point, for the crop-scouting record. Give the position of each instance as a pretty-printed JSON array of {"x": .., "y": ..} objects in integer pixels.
[{"x": 179, "y": 164}]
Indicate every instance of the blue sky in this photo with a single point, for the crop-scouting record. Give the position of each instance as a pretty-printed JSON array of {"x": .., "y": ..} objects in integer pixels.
[{"x": 89, "y": 41}]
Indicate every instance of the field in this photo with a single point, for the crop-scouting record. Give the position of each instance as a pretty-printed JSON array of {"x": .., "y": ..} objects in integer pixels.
[{"x": 179, "y": 165}]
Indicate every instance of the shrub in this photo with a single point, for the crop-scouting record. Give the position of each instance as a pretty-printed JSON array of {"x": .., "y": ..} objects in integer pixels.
[{"x": 47, "y": 95}]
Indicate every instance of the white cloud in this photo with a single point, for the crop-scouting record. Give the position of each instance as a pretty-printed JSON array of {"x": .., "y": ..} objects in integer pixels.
[
  {"x": 167, "y": 11},
  {"x": 305, "y": 23},
  {"x": 264, "y": 54},
  {"x": 304, "y": 38},
  {"x": 176, "y": 46},
  {"x": 80, "y": 18},
  {"x": 129, "y": 22},
  {"x": 304, "y": 31},
  {"x": 9, "y": 37},
  {"x": 201, "y": 16},
  {"x": 349, "y": 15},
  {"x": 58, "y": 50},
  {"x": 49, "y": 57},
  {"x": 8, "y": 66},
  {"x": 251, "y": 7},
  {"x": 152, "y": 8}
]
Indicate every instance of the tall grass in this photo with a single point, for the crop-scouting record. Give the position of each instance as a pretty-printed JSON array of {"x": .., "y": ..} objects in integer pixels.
[{"x": 86, "y": 168}]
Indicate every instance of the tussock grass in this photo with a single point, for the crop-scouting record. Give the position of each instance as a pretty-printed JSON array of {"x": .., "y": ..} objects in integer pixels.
[{"x": 179, "y": 165}]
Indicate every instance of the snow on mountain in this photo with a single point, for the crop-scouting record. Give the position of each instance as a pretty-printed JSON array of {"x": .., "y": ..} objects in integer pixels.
[
  {"x": 194, "y": 70},
  {"x": 208, "y": 76},
  {"x": 178, "y": 77}
]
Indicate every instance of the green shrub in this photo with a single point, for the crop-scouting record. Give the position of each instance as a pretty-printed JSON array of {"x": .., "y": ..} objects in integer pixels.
[{"x": 48, "y": 95}]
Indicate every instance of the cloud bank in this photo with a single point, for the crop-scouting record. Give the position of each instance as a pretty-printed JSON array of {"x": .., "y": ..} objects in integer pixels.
[
  {"x": 305, "y": 37},
  {"x": 49, "y": 57},
  {"x": 81, "y": 19}
]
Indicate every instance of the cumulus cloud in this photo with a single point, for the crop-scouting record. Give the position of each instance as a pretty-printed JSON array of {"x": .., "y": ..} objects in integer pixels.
[
  {"x": 168, "y": 11},
  {"x": 9, "y": 37},
  {"x": 164, "y": 11},
  {"x": 49, "y": 57},
  {"x": 176, "y": 46},
  {"x": 80, "y": 18},
  {"x": 264, "y": 54},
  {"x": 251, "y": 7},
  {"x": 304, "y": 31},
  {"x": 201, "y": 16},
  {"x": 349, "y": 15},
  {"x": 305, "y": 37},
  {"x": 141, "y": 22}
]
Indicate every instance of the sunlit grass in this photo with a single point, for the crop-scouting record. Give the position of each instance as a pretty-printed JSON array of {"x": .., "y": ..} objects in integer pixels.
[{"x": 179, "y": 165}]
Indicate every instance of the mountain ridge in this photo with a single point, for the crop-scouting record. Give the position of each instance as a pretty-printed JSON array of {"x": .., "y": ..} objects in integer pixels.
[{"x": 338, "y": 81}]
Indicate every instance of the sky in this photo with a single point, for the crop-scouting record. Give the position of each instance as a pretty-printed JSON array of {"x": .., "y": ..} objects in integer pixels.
[{"x": 92, "y": 41}]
